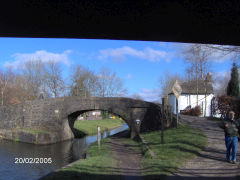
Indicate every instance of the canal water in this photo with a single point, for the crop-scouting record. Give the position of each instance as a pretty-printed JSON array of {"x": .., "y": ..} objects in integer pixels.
[{"x": 13, "y": 166}]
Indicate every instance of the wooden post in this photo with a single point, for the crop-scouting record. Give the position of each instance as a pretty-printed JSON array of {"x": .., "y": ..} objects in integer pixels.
[
  {"x": 205, "y": 84},
  {"x": 168, "y": 116},
  {"x": 98, "y": 136},
  {"x": 171, "y": 115},
  {"x": 177, "y": 111},
  {"x": 162, "y": 123}
]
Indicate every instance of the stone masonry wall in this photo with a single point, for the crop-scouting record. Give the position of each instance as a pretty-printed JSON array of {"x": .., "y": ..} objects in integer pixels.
[{"x": 52, "y": 116}]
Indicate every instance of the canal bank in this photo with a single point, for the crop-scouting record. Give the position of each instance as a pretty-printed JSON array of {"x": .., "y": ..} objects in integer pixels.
[
  {"x": 120, "y": 157},
  {"x": 41, "y": 136},
  {"x": 100, "y": 164},
  {"x": 61, "y": 155}
]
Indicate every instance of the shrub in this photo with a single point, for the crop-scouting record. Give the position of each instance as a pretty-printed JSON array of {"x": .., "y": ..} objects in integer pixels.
[
  {"x": 236, "y": 106},
  {"x": 196, "y": 111},
  {"x": 226, "y": 103}
]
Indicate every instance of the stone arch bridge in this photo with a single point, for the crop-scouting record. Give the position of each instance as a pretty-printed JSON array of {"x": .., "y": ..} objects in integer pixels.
[{"x": 51, "y": 120}]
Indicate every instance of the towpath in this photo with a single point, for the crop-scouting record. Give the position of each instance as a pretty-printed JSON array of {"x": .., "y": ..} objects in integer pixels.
[{"x": 210, "y": 164}]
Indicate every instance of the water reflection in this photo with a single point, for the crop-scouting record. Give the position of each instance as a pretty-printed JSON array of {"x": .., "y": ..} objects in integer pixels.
[{"x": 61, "y": 154}]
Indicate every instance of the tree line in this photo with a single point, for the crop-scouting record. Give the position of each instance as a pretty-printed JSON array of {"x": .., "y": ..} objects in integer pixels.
[
  {"x": 198, "y": 60},
  {"x": 198, "y": 65},
  {"x": 35, "y": 78}
]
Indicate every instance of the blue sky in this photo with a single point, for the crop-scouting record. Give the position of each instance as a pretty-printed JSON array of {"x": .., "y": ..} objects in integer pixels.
[{"x": 139, "y": 64}]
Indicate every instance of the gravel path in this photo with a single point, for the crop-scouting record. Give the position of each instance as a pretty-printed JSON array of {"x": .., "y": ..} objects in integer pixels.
[
  {"x": 128, "y": 157},
  {"x": 211, "y": 163}
]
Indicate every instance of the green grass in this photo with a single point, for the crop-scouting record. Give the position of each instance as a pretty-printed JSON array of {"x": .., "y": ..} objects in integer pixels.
[
  {"x": 99, "y": 165},
  {"x": 90, "y": 127},
  {"x": 16, "y": 140},
  {"x": 181, "y": 144}
]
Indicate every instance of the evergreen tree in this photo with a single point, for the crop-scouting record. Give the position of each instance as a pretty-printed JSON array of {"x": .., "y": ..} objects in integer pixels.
[{"x": 233, "y": 84}]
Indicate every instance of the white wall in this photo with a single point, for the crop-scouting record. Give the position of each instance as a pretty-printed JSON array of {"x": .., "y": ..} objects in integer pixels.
[{"x": 185, "y": 100}]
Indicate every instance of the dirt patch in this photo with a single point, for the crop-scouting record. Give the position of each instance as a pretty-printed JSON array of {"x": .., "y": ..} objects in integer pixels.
[{"x": 128, "y": 157}]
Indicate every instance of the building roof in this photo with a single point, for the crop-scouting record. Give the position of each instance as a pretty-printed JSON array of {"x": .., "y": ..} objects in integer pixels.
[{"x": 190, "y": 87}]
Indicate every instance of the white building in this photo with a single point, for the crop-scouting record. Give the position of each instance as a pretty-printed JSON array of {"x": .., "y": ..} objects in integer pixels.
[{"x": 188, "y": 97}]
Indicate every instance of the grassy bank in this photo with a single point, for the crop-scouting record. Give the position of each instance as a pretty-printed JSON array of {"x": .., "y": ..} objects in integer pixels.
[
  {"x": 100, "y": 165},
  {"x": 90, "y": 127},
  {"x": 181, "y": 144}
]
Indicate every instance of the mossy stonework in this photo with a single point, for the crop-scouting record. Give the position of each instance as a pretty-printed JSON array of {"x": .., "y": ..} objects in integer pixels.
[
  {"x": 28, "y": 136},
  {"x": 57, "y": 117}
]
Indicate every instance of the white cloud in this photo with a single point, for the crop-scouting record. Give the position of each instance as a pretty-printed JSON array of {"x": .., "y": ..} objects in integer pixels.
[
  {"x": 119, "y": 54},
  {"x": 220, "y": 57},
  {"x": 220, "y": 80},
  {"x": 129, "y": 76},
  {"x": 222, "y": 74},
  {"x": 43, "y": 55},
  {"x": 150, "y": 94},
  {"x": 217, "y": 55}
]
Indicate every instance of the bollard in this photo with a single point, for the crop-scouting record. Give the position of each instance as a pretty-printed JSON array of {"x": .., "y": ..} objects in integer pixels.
[{"x": 98, "y": 136}]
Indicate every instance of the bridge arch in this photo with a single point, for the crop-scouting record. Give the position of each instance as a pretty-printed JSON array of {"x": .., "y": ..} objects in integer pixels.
[
  {"x": 73, "y": 117},
  {"x": 76, "y": 106},
  {"x": 56, "y": 116}
]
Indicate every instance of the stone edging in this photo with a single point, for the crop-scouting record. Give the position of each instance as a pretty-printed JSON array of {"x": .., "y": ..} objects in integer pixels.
[
  {"x": 147, "y": 146},
  {"x": 57, "y": 170}
]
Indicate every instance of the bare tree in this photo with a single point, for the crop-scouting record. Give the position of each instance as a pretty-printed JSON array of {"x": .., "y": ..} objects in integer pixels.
[
  {"x": 31, "y": 78},
  {"x": 109, "y": 84},
  {"x": 84, "y": 82},
  {"x": 225, "y": 49},
  {"x": 167, "y": 83},
  {"x": 137, "y": 97},
  {"x": 197, "y": 57},
  {"x": 53, "y": 79},
  {"x": 233, "y": 52},
  {"x": 12, "y": 87},
  {"x": 6, "y": 79},
  {"x": 19, "y": 90},
  {"x": 91, "y": 83},
  {"x": 220, "y": 83},
  {"x": 33, "y": 72}
]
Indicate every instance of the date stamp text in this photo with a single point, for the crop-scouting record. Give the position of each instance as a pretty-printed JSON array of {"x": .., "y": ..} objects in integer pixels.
[{"x": 19, "y": 160}]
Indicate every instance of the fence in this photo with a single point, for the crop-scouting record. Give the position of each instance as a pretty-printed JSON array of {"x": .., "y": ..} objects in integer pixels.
[{"x": 167, "y": 118}]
